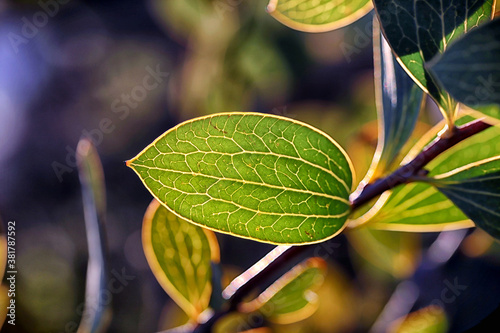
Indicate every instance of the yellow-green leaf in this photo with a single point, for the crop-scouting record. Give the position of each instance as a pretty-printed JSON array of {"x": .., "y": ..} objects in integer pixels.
[
  {"x": 292, "y": 297},
  {"x": 318, "y": 15},
  {"x": 251, "y": 175},
  {"x": 180, "y": 255},
  {"x": 475, "y": 189},
  {"x": 491, "y": 111}
]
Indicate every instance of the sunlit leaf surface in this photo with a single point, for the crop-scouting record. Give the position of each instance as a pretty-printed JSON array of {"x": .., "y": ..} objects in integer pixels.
[
  {"x": 318, "y": 15},
  {"x": 251, "y": 175},
  {"x": 179, "y": 254}
]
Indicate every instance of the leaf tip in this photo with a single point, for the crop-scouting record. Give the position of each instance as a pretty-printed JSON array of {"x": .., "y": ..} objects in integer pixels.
[{"x": 271, "y": 7}]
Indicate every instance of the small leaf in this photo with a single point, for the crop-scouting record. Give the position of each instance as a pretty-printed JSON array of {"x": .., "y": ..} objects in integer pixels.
[
  {"x": 292, "y": 297},
  {"x": 475, "y": 189},
  {"x": 180, "y": 255},
  {"x": 318, "y": 15},
  {"x": 470, "y": 68},
  {"x": 399, "y": 101},
  {"x": 419, "y": 206},
  {"x": 419, "y": 30},
  {"x": 251, "y": 175}
]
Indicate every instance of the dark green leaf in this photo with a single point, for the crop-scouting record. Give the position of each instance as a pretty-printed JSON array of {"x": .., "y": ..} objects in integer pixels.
[
  {"x": 399, "y": 101},
  {"x": 470, "y": 68},
  {"x": 475, "y": 189},
  {"x": 419, "y": 30}
]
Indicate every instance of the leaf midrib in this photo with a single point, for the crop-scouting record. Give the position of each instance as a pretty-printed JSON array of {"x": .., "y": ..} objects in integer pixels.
[
  {"x": 249, "y": 182},
  {"x": 270, "y": 153},
  {"x": 239, "y": 206}
]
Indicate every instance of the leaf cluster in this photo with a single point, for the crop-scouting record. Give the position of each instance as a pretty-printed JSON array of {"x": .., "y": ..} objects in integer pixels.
[{"x": 280, "y": 181}]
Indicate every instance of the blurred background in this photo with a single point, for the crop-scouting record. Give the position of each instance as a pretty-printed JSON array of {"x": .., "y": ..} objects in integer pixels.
[{"x": 122, "y": 73}]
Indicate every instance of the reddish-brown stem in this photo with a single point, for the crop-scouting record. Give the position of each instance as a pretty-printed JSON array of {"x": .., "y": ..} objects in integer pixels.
[{"x": 412, "y": 169}]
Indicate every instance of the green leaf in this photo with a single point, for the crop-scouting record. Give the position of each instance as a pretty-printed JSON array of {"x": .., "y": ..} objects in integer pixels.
[
  {"x": 475, "y": 189},
  {"x": 97, "y": 314},
  {"x": 318, "y": 15},
  {"x": 419, "y": 30},
  {"x": 251, "y": 175},
  {"x": 179, "y": 254},
  {"x": 399, "y": 101},
  {"x": 418, "y": 207},
  {"x": 470, "y": 68},
  {"x": 292, "y": 297},
  {"x": 491, "y": 111},
  {"x": 421, "y": 207}
]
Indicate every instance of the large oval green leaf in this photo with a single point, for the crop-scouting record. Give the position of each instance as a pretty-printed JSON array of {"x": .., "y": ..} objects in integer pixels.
[
  {"x": 470, "y": 68},
  {"x": 420, "y": 206},
  {"x": 251, "y": 175},
  {"x": 180, "y": 255},
  {"x": 419, "y": 30},
  {"x": 475, "y": 189},
  {"x": 318, "y": 15}
]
